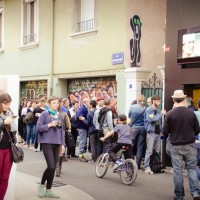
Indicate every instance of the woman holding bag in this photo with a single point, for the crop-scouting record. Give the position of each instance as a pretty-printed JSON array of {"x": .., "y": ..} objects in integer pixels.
[
  {"x": 51, "y": 136},
  {"x": 6, "y": 128}
]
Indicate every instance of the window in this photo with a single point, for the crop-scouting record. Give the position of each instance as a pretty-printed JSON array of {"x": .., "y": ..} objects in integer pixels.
[
  {"x": 29, "y": 22},
  {"x": 1, "y": 25},
  {"x": 84, "y": 15}
]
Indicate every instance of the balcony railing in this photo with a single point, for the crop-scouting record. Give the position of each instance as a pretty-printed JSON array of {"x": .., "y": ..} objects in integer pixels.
[
  {"x": 29, "y": 39},
  {"x": 86, "y": 25}
]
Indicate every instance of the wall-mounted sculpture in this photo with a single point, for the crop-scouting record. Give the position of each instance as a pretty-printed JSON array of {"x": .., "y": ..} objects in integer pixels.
[{"x": 135, "y": 42}]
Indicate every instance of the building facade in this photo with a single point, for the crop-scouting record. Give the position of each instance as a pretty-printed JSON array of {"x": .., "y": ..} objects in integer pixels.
[{"x": 93, "y": 47}]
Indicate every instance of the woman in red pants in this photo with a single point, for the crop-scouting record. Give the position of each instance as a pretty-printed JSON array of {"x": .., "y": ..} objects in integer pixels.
[{"x": 6, "y": 127}]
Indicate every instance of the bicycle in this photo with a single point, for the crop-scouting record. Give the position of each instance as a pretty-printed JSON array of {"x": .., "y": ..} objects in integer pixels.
[{"x": 128, "y": 170}]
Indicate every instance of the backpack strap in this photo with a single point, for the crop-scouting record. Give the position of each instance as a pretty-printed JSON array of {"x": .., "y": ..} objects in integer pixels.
[{"x": 139, "y": 116}]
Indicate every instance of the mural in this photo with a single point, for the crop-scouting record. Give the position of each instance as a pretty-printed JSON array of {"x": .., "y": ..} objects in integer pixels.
[
  {"x": 92, "y": 88},
  {"x": 135, "y": 42},
  {"x": 33, "y": 89}
]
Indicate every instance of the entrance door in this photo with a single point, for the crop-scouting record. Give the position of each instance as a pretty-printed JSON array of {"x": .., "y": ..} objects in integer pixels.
[
  {"x": 196, "y": 96},
  {"x": 193, "y": 91}
]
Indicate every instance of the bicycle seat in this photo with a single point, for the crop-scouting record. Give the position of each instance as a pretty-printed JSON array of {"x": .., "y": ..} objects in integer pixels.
[{"x": 124, "y": 148}]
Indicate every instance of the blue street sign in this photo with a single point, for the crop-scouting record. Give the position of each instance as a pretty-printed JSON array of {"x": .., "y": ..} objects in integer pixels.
[{"x": 117, "y": 58}]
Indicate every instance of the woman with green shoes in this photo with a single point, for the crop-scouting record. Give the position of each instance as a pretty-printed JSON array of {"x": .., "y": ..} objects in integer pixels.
[{"x": 51, "y": 136}]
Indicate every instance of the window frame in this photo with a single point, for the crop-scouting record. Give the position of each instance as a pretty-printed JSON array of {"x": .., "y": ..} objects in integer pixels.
[
  {"x": 2, "y": 25},
  {"x": 34, "y": 43},
  {"x": 77, "y": 15}
]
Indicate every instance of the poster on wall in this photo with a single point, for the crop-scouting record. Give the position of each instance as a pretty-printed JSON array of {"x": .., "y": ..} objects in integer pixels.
[
  {"x": 33, "y": 89},
  {"x": 105, "y": 87}
]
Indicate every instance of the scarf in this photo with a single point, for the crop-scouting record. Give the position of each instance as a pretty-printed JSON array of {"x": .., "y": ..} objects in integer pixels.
[{"x": 52, "y": 112}]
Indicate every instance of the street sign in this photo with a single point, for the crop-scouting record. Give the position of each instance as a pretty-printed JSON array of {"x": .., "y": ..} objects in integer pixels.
[{"x": 117, "y": 58}]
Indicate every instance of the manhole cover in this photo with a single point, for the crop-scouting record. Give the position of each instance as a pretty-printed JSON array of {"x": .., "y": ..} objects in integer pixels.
[{"x": 58, "y": 184}]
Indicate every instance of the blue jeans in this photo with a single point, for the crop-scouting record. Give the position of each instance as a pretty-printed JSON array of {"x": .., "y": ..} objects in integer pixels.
[
  {"x": 138, "y": 135},
  {"x": 31, "y": 132},
  {"x": 187, "y": 153},
  {"x": 82, "y": 133},
  {"x": 153, "y": 143}
]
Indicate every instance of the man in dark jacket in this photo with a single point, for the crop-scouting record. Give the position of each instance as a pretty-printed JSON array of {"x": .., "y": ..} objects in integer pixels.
[
  {"x": 82, "y": 128},
  {"x": 182, "y": 124},
  {"x": 92, "y": 130}
]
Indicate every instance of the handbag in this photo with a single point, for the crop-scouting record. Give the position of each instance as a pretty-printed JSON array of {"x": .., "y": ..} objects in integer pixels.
[
  {"x": 69, "y": 140},
  {"x": 17, "y": 152}
]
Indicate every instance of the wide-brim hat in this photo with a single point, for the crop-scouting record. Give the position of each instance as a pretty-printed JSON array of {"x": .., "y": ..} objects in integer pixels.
[{"x": 178, "y": 94}]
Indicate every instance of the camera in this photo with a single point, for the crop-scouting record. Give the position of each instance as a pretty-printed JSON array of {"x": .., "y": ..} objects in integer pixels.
[{"x": 59, "y": 125}]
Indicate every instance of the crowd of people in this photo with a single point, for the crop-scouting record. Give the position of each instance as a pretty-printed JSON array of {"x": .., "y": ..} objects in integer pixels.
[{"x": 57, "y": 123}]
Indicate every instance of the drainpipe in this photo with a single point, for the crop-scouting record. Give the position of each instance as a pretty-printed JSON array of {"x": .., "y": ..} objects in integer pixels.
[
  {"x": 52, "y": 48},
  {"x": 163, "y": 140}
]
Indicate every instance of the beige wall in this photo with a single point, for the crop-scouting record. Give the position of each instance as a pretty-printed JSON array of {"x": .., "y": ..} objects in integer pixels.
[
  {"x": 27, "y": 63},
  {"x": 152, "y": 14},
  {"x": 89, "y": 52}
]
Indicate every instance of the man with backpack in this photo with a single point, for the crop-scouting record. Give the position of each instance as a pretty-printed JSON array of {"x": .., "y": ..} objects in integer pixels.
[
  {"x": 153, "y": 126},
  {"x": 182, "y": 124},
  {"x": 103, "y": 122}
]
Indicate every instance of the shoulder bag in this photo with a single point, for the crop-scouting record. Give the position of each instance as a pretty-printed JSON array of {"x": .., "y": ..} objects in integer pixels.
[
  {"x": 132, "y": 128},
  {"x": 17, "y": 152}
]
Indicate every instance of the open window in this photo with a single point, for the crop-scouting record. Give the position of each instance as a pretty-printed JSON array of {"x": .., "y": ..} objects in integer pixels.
[
  {"x": 29, "y": 22},
  {"x": 84, "y": 15}
]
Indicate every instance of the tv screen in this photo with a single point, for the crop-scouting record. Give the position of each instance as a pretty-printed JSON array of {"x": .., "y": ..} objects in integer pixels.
[{"x": 188, "y": 50}]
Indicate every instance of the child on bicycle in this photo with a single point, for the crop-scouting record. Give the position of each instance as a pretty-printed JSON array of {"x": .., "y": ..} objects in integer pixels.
[{"x": 124, "y": 139}]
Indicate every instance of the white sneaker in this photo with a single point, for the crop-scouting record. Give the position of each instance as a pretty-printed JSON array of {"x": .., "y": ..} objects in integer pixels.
[
  {"x": 35, "y": 150},
  {"x": 117, "y": 164},
  {"x": 148, "y": 171}
]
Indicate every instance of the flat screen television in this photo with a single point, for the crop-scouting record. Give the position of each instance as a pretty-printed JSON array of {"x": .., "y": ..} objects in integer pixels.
[{"x": 188, "y": 49}]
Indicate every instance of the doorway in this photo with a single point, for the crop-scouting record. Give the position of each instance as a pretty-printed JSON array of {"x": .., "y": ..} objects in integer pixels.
[{"x": 193, "y": 91}]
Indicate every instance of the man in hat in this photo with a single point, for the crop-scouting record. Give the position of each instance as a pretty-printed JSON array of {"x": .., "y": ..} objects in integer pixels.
[
  {"x": 100, "y": 102},
  {"x": 182, "y": 124}
]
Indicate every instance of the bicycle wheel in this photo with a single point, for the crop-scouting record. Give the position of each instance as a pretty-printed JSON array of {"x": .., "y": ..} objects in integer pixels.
[
  {"x": 129, "y": 171},
  {"x": 101, "y": 166}
]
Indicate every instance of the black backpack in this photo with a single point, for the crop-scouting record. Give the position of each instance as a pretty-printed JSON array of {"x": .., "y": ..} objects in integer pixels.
[
  {"x": 102, "y": 115},
  {"x": 155, "y": 163}
]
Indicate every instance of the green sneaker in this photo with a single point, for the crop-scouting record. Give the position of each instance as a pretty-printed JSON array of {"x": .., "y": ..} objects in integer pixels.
[
  {"x": 50, "y": 194},
  {"x": 41, "y": 190}
]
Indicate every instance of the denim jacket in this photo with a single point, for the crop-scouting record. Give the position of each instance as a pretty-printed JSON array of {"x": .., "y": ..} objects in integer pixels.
[
  {"x": 150, "y": 118},
  {"x": 134, "y": 112}
]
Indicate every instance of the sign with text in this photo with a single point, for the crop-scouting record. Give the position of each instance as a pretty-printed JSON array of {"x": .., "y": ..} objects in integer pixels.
[{"x": 117, "y": 58}]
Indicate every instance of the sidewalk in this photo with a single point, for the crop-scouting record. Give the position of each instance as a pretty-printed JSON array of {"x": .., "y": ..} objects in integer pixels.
[{"x": 26, "y": 188}]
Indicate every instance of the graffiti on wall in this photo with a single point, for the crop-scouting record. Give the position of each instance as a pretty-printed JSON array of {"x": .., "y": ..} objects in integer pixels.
[
  {"x": 136, "y": 25},
  {"x": 33, "y": 89},
  {"x": 92, "y": 88}
]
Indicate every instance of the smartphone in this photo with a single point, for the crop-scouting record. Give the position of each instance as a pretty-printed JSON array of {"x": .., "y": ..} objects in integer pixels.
[{"x": 14, "y": 116}]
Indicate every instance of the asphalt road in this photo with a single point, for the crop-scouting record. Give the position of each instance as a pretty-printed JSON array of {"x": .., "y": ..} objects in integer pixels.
[{"x": 82, "y": 176}]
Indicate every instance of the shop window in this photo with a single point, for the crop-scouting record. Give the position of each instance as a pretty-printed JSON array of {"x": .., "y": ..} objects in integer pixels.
[
  {"x": 29, "y": 22},
  {"x": 84, "y": 15}
]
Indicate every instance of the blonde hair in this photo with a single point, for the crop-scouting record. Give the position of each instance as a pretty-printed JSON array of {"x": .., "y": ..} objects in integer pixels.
[{"x": 140, "y": 98}]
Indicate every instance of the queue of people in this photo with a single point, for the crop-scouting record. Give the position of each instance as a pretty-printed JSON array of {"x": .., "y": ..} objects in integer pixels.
[{"x": 57, "y": 125}]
